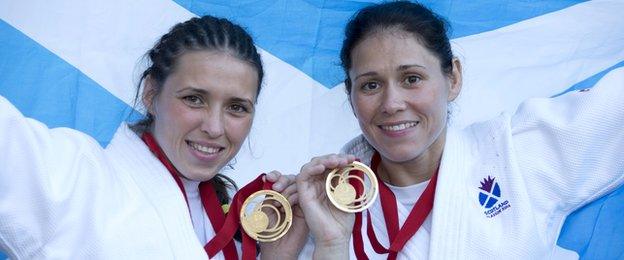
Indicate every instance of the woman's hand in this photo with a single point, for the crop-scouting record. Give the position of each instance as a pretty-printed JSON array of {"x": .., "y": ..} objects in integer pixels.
[
  {"x": 330, "y": 227},
  {"x": 288, "y": 246}
]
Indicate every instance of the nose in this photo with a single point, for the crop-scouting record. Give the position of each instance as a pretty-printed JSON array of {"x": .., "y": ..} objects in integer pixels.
[
  {"x": 213, "y": 123},
  {"x": 393, "y": 100}
]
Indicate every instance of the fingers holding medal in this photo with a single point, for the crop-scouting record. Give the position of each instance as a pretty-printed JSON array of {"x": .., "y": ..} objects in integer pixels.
[
  {"x": 353, "y": 188},
  {"x": 266, "y": 215}
]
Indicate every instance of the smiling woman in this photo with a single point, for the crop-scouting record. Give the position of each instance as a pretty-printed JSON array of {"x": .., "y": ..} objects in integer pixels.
[
  {"x": 400, "y": 96},
  {"x": 156, "y": 191},
  {"x": 496, "y": 189},
  {"x": 203, "y": 112}
]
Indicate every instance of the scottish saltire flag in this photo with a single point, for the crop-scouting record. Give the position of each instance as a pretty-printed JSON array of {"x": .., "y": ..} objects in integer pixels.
[{"x": 75, "y": 63}]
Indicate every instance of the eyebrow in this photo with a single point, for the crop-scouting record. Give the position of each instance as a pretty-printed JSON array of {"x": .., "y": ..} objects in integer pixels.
[
  {"x": 198, "y": 90},
  {"x": 206, "y": 93},
  {"x": 370, "y": 73},
  {"x": 408, "y": 66},
  {"x": 402, "y": 67}
]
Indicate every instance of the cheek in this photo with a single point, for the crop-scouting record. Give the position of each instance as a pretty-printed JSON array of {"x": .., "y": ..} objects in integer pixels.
[
  {"x": 237, "y": 129},
  {"x": 165, "y": 107},
  {"x": 176, "y": 118},
  {"x": 363, "y": 107},
  {"x": 436, "y": 109}
]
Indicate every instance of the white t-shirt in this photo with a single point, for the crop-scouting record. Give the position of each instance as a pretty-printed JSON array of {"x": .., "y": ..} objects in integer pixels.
[{"x": 407, "y": 197}]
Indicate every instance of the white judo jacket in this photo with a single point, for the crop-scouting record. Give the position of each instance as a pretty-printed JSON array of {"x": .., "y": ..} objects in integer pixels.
[
  {"x": 62, "y": 196},
  {"x": 536, "y": 167}
]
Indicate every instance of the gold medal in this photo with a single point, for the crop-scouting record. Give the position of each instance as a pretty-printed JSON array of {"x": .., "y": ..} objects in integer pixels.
[
  {"x": 344, "y": 196},
  {"x": 265, "y": 222}
]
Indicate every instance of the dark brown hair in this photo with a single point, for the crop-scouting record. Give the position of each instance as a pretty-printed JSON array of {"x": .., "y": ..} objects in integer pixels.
[
  {"x": 198, "y": 34},
  {"x": 414, "y": 18}
]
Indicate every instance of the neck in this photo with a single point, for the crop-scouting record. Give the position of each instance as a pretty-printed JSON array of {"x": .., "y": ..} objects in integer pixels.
[
  {"x": 416, "y": 170},
  {"x": 189, "y": 185}
]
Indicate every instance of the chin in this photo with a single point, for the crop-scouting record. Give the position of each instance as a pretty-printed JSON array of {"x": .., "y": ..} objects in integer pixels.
[
  {"x": 399, "y": 158},
  {"x": 199, "y": 175},
  {"x": 206, "y": 177},
  {"x": 400, "y": 155}
]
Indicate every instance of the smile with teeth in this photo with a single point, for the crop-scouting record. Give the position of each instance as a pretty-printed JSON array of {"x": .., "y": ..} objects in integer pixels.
[
  {"x": 204, "y": 149},
  {"x": 398, "y": 127}
]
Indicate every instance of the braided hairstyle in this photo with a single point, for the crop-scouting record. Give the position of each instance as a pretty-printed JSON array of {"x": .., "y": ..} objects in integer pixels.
[{"x": 205, "y": 33}]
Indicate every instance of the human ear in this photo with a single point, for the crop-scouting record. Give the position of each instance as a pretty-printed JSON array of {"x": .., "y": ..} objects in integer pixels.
[
  {"x": 347, "y": 82},
  {"x": 148, "y": 94},
  {"x": 349, "y": 93},
  {"x": 456, "y": 80}
]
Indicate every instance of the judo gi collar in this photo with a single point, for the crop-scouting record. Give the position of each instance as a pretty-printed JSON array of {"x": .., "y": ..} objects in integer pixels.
[
  {"x": 206, "y": 192},
  {"x": 397, "y": 237}
]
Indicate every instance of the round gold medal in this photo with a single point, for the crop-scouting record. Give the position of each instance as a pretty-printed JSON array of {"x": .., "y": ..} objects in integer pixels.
[
  {"x": 343, "y": 194},
  {"x": 265, "y": 222}
]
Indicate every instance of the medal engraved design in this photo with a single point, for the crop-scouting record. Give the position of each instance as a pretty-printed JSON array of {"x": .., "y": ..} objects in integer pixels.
[
  {"x": 341, "y": 192},
  {"x": 344, "y": 193},
  {"x": 265, "y": 222}
]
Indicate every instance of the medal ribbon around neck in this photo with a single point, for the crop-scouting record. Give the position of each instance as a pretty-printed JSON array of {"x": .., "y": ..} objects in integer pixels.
[
  {"x": 397, "y": 237},
  {"x": 347, "y": 189},
  {"x": 255, "y": 226},
  {"x": 206, "y": 192}
]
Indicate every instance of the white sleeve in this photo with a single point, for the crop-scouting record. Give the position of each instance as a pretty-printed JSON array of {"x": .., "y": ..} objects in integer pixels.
[
  {"x": 41, "y": 170},
  {"x": 570, "y": 148}
]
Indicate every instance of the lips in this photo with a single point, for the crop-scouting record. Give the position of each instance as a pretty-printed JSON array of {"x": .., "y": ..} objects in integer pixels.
[
  {"x": 205, "y": 149},
  {"x": 398, "y": 126}
]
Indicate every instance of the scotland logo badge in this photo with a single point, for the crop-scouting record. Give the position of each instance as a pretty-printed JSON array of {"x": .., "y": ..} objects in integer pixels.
[{"x": 490, "y": 197}]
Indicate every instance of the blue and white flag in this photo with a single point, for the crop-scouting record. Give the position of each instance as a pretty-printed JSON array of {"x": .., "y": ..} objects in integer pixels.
[{"x": 75, "y": 64}]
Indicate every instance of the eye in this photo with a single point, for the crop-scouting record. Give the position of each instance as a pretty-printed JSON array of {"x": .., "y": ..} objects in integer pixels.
[
  {"x": 193, "y": 100},
  {"x": 370, "y": 86},
  {"x": 412, "y": 79},
  {"x": 238, "y": 108}
]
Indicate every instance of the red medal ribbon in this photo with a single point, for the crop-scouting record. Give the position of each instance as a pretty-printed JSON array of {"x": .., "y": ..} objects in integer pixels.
[
  {"x": 397, "y": 237},
  {"x": 226, "y": 226},
  {"x": 232, "y": 221}
]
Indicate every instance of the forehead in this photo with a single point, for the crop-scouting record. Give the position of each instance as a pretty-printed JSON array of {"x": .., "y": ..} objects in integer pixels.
[
  {"x": 390, "y": 48},
  {"x": 214, "y": 71}
]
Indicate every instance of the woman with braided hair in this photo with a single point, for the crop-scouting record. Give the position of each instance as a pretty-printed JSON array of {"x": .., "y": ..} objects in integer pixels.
[{"x": 155, "y": 191}]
